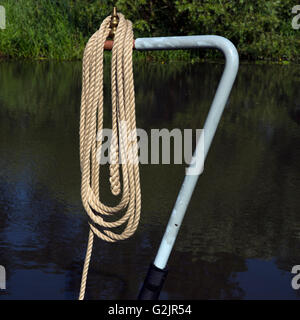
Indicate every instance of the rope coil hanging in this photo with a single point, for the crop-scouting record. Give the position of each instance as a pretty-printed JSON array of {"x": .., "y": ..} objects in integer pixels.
[{"x": 123, "y": 145}]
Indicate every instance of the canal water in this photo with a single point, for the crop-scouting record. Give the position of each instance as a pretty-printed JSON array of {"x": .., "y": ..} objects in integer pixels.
[{"x": 241, "y": 235}]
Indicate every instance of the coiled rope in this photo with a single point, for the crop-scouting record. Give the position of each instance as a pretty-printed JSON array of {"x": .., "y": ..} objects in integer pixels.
[{"x": 123, "y": 143}]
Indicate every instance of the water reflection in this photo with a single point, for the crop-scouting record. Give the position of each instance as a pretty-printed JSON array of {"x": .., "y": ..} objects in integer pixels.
[{"x": 241, "y": 235}]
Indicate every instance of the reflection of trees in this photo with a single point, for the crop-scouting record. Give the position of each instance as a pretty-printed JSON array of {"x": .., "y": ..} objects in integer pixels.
[
  {"x": 42, "y": 93},
  {"x": 245, "y": 205},
  {"x": 215, "y": 279}
]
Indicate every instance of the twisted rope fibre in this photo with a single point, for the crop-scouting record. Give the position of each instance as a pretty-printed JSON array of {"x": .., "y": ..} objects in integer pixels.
[{"x": 123, "y": 143}]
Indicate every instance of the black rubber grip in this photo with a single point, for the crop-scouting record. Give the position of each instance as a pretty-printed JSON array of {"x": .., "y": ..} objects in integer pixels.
[{"x": 153, "y": 283}]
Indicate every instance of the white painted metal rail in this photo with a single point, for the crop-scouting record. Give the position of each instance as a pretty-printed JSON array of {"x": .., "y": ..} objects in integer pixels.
[{"x": 210, "y": 126}]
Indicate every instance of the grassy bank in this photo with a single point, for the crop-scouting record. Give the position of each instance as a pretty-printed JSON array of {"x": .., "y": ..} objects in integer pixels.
[{"x": 49, "y": 29}]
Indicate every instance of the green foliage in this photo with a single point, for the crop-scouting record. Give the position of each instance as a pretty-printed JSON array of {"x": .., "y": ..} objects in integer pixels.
[
  {"x": 38, "y": 30},
  {"x": 261, "y": 30}
]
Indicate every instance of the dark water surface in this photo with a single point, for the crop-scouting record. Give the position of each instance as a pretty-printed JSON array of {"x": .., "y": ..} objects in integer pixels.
[{"x": 241, "y": 235}]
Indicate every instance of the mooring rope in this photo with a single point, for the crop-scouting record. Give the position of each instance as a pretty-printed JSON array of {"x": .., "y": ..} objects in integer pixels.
[{"x": 123, "y": 143}]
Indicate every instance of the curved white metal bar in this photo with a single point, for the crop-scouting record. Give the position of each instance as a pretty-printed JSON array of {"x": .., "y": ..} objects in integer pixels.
[{"x": 210, "y": 126}]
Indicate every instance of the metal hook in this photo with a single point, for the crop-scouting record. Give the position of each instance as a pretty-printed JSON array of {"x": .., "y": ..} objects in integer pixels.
[{"x": 114, "y": 23}]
